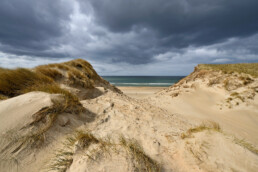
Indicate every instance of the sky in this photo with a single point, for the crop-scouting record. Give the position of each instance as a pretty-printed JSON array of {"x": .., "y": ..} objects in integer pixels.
[{"x": 129, "y": 37}]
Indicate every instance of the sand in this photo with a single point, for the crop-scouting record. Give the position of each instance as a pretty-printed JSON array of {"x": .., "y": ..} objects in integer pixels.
[
  {"x": 140, "y": 92},
  {"x": 241, "y": 122}
]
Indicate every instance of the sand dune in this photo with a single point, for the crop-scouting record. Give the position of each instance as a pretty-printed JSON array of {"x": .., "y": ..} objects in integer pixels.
[{"x": 98, "y": 128}]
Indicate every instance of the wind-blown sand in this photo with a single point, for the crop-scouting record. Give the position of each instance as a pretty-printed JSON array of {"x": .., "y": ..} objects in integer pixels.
[{"x": 142, "y": 129}]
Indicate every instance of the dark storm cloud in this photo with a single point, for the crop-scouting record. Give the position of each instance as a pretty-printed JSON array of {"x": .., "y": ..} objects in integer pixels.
[
  {"x": 119, "y": 35},
  {"x": 181, "y": 22},
  {"x": 29, "y": 26}
]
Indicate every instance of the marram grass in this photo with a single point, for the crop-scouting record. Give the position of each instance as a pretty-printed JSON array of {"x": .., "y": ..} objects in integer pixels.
[{"x": 247, "y": 68}]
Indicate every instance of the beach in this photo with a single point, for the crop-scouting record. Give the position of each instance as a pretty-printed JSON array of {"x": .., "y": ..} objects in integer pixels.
[{"x": 140, "y": 92}]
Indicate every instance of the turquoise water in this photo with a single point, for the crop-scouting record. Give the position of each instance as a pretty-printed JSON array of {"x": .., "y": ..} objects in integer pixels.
[{"x": 144, "y": 81}]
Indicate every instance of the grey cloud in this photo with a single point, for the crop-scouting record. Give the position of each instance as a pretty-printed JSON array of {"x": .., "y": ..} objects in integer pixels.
[
  {"x": 132, "y": 36},
  {"x": 30, "y": 27},
  {"x": 197, "y": 22}
]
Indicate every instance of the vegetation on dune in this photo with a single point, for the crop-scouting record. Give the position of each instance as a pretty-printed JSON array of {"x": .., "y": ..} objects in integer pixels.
[
  {"x": 14, "y": 82},
  {"x": 52, "y": 73},
  {"x": 79, "y": 72},
  {"x": 2, "y": 97},
  {"x": 46, "y": 78},
  {"x": 19, "y": 81},
  {"x": 248, "y": 68},
  {"x": 213, "y": 126},
  {"x": 246, "y": 145},
  {"x": 204, "y": 126},
  {"x": 144, "y": 162},
  {"x": 64, "y": 157}
]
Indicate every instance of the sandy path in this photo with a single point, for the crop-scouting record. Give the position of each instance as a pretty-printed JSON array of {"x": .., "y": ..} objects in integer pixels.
[{"x": 140, "y": 92}]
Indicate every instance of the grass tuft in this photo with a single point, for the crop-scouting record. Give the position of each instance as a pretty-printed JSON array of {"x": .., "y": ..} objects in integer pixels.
[
  {"x": 62, "y": 161},
  {"x": 144, "y": 161},
  {"x": 204, "y": 126},
  {"x": 85, "y": 139},
  {"x": 64, "y": 157},
  {"x": 2, "y": 97},
  {"x": 246, "y": 145}
]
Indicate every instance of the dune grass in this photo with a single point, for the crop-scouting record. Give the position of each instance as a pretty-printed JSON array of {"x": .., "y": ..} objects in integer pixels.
[
  {"x": 246, "y": 145},
  {"x": 144, "y": 161},
  {"x": 19, "y": 81},
  {"x": 2, "y": 97},
  {"x": 14, "y": 82},
  {"x": 247, "y": 68},
  {"x": 62, "y": 160},
  {"x": 80, "y": 73},
  {"x": 213, "y": 126},
  {"x": 64, "y": 157},
  {"x": 50, "y": 72},
  {"x": 204, "y": 126}
]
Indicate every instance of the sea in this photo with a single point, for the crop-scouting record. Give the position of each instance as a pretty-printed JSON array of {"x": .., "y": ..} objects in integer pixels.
[{"x": 143, "y": 81}]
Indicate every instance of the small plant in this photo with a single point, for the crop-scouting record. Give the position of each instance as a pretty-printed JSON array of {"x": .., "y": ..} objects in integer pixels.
[
  {"x": 204, "y": 126},
  {"x": 62, "y": 161},
  {"x": 2, "y": 97},
  {"x": 214, "y": 81},
  {"x": 237, "y": 95},
  {"x": 144, "y": 161},
  {"x": 226, "y": 84},
  {"x": 215, "y": 127},
  {"x": 64, "y": 157},
  {"x": 86, "y": 139},
  {"x": 246, "y": 145}
]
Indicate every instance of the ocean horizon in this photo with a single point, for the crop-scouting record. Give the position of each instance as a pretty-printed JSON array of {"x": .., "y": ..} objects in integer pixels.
[{"x": 143, "y": 81}]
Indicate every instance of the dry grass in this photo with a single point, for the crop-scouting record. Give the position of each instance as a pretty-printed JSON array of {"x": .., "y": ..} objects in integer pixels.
[
  {"x": 236, "y": 95},
  {"x": 246, "y": 145},
  {"x": 2, "y": 97},
  {"x": 247, "y": 68},
  {"x": 246, "y": 80},
  {"x": 226, "y": 84},
  {"x": 50, "y": 72},
  {"x": 214, "y": 81},
  {"x": 64, "y": 157},
  {"x": 13, "y": 82},
  {"x": 144, "y": 162},
  {"x": 215, "y": 127},
  {"x": 20, "y": 81},
  {"x": 85, "y": 139},
  {"x": 80, "y": 73},
  {"x": 204, "y": 126}
]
